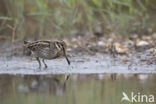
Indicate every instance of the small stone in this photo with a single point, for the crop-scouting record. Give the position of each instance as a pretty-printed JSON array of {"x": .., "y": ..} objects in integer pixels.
[
  {"x": 101, "y": 43},
  {"x": 142, "y": 43},
  {"x": 121, "y": 49},
  {"x": 124, "y": 59}
]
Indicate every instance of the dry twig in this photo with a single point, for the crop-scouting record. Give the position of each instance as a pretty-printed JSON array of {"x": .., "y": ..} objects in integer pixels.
[{"x": 13, "y": 28}]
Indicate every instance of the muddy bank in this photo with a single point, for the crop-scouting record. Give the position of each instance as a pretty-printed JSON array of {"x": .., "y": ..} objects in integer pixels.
[
  {"x": 83, "y": 60},
  {"x": 84, "y": 64}
]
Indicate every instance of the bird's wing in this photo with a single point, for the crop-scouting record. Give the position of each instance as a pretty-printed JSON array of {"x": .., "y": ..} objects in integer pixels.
[{"x": 39, "y": 45}]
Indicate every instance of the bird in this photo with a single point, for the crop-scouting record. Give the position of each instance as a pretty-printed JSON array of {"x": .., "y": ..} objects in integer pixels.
[{"x": 47, "y": 49}]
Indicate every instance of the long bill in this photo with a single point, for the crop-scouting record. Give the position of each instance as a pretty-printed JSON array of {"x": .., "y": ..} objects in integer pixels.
[{"x": 66, "y": 56}]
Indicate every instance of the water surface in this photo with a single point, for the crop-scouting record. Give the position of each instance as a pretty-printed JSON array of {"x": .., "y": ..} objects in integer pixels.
[{"x": 78, "y": 89}]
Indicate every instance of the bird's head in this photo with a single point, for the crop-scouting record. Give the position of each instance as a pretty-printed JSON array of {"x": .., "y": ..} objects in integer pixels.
[{"x": 61, "y": 44}]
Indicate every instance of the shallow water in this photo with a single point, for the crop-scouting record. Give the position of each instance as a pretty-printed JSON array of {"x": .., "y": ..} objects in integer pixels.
[
  {"x": 79, "y": 64},
  {"x": 78, "y": 89}
]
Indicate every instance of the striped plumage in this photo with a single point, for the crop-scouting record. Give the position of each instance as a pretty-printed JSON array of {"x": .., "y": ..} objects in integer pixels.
[{"x": 47, "y": 50}]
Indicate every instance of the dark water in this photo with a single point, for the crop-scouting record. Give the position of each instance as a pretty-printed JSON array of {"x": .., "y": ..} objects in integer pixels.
[{"x": 78, "y": 89}]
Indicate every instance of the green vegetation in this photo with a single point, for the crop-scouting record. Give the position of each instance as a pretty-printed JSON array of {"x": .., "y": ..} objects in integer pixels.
[{"x": 48, "y": 18}]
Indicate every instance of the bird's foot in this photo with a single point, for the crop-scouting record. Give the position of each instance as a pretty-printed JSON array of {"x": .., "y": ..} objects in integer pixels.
[{"x": 45, "y": 67}]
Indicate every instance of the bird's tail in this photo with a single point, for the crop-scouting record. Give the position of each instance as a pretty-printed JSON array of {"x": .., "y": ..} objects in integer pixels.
[{"x": 25, "y": 43}]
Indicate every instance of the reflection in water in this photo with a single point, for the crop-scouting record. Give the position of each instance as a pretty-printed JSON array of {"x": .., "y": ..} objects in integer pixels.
[
  {"x": 44, "y": 84},
  {"x": 78, "y": 89}
]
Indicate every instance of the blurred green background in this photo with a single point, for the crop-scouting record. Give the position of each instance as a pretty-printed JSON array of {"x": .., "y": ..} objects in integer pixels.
[{"x": 41, "y": 19}]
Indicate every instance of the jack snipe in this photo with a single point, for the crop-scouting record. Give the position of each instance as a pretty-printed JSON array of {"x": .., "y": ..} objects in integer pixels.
[{"x": 47, "y": 50}]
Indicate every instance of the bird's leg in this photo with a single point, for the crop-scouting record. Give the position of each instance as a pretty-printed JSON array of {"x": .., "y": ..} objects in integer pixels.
[
  {"x": 44, "y": 63},
  {"x": 38, "y": 62}
]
